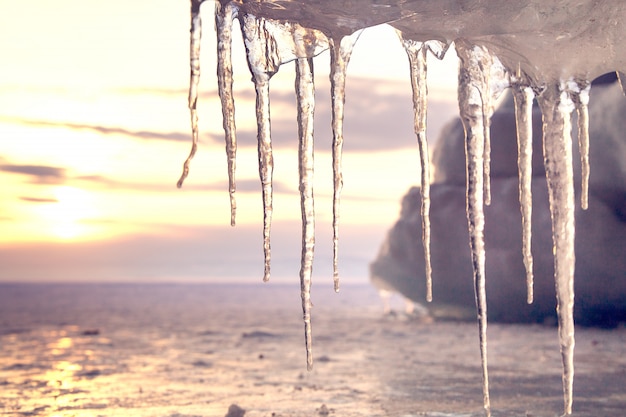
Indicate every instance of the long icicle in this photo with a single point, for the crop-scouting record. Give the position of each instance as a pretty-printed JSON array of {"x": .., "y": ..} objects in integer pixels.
[
  {"x": 194, "y": 80},
  {"x": 417, "y": 62},
  {"x": 523, "y": 96},
  {"x": 340, "y": 52},
  {"x": 305, "y": 92},
  {"x": 581, "y": 101},
  {"x": 471, "y": 93},
  {"x": 224, "y": 15},
  {"x": 556, "y": 107},
  {"x": 263, "y": 61},
  {"x": 484, "y": 61}
]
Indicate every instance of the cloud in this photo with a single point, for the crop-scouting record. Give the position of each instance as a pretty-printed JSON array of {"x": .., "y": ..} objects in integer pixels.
[
  {"x": 378, "y": 116},
  {"x": 43, "y": 174},
  {"x": 39, "y": 200},
  {"x": 246, "y": 92},
  {"x": 107, "y": 130},
  {"x": 243, "y": 185}
]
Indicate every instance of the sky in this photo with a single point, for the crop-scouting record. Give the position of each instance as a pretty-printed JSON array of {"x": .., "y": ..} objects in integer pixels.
[{"x": 94, "y": 128}]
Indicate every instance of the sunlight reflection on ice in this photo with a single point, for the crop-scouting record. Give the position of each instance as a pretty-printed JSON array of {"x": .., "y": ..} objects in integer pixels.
[{"x": 167, "y": 350}]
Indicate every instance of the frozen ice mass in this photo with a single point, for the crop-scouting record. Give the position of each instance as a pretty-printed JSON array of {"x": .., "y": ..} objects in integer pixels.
[{"x": 544, "y": 50}]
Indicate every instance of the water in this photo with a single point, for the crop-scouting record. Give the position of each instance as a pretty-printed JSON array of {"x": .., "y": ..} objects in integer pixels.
[{"x": 193, "y": 350}]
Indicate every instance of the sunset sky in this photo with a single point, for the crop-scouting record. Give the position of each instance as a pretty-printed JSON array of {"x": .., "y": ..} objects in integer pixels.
[{"x": 94, "y": 128}]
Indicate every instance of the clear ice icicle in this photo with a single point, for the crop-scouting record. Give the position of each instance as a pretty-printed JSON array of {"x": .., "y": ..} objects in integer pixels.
[
  {"x": 485, "y": 99},
  {"x": 524, "y": 96},
  {"x": 580, "y": 96},
  {"x": 496, "y": 81},
  {"x": 488, "y": 78},
  {"x": 340, "y": 51},
  {"x": 305, "y": 92},
  {"x": 194, "y": 80},
  {"x": 269, "y": 44},
  {"x": 416, "y": 52},
  {"x": 224, "y": 15},
  {"x": 556, "y": 107},
  {"x": 472, "y": 91},
  {"x": 621, "y": 76},
  {"x": 263, "y": 61}
]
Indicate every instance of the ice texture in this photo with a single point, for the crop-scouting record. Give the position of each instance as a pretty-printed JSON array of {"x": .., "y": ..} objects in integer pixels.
[
  {"x": 556, "y": 107},
  {"x": 523, "y": 96},
  {"x": 473, "y": 88},
  {"x": 263, "y": 61},
  {"x": 268, "y": 45},
  {"x": 224, "y": 15},
  {"x": 194, "y": 80},
  {"x": 340, "y": 52},
  {"x": 581, "y": 100},
  {"x": 416, "y": 52},
  {"x": 548, "y": 49},
  {"x": 305, "y": 93}
]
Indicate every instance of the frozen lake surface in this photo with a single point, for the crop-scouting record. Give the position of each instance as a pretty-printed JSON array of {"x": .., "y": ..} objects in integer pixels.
[{"x": 193, "y": 350}]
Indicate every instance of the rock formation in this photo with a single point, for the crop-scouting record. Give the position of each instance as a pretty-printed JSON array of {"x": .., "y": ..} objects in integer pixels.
[{"x": 600, "y": 275}]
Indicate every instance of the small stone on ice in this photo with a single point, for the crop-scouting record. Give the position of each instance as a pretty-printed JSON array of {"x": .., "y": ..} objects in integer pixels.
[{"x": 235, "y": 411}]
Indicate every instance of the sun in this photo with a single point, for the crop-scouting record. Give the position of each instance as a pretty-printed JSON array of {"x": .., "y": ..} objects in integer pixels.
[{"x": 67, "y": 218}]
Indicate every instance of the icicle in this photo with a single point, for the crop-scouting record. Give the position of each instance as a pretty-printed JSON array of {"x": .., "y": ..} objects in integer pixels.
[
  {"x": 484, "y": 67},
  {"x": 305, "y": 92},
  {"x": 580, "y": 96},
  {"x": 194, "y": 80},
  {"x": 437, "y": 48},
  {"x": 471, "y": 93},
  {"x": 496, "y": 80},
  {"x": 621, "y": 76},
  {"x": 340, "y": 51},
  {"x": 556, "y": 107},
  {"x": 224, "y": 15},
  {"x": 263, "y": 61},
  {"x": 524, "y": 96},
  {"x": 416, "y": 52},
  {"x": 486, "y": 103},
  {"x": 269, "y": 44}
]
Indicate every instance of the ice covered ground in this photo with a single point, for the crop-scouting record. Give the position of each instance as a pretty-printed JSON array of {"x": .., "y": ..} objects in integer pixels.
[{"x": 193, "y": 350}]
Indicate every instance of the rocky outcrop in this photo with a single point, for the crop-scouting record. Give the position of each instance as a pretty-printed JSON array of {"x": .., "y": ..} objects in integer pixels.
[{"x": 600, "y": 277}]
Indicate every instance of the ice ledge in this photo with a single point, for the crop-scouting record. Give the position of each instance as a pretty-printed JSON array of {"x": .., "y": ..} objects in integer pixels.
[{"x": 547, "y": 40}]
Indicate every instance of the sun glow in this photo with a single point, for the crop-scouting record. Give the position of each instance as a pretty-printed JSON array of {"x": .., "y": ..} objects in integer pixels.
[{"x": 68, "y": 216}]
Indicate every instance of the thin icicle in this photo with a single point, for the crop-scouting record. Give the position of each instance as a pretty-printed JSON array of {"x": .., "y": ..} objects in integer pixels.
[
  {"x": 224, "y": 15},
  {"x": 266, "y": 165},
  {"x": 305, "y": 92},
  {"x": 556, "y": 106},
  {"x": 486, "y": 111},
  {"x": 416, "y": 52},
  {"x": 340, "y": 51},
  {"x": 263, "y": 61},
  {"x": 471, "y": 94},
  {"x": 621, "y": 77},
  {"x": 496, "y": 81},
  {"x": 481, "y": 64},
  {"x": 524, "y": 96},
  {"x": 194, "y": 80},
  {"x": 581, "y": 101}
]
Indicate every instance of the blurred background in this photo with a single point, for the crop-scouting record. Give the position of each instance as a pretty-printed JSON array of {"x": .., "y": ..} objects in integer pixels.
[{"x": 94, "y": 128}]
